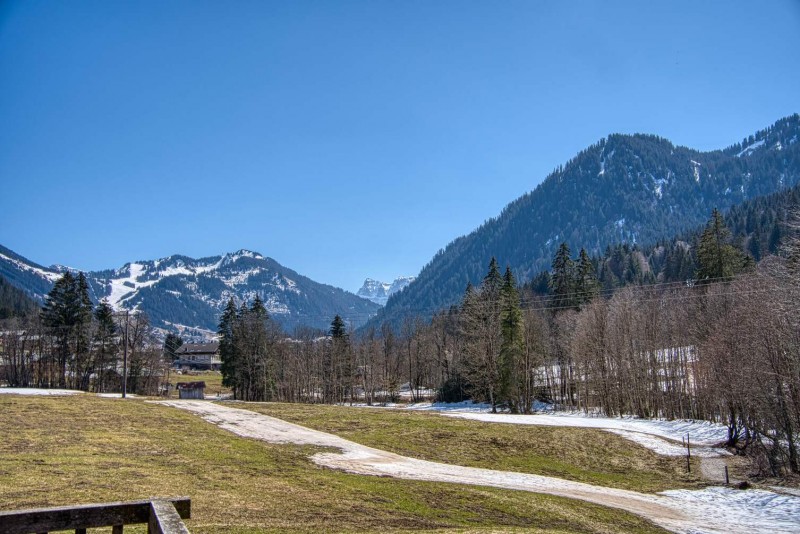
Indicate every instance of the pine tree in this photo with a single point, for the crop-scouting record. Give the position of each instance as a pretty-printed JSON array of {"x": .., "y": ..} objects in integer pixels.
[
  {"x": 338, "y": 329},
  {"x": 562, "y": 281},
  {"x": 67, "y": 313},
  {"x": 512, "y": 346},
  {"x": 481, "y": 328},
  {"x": 587, "y": 286},
  {"x": 492, "y": 283},
  {"x": 719, "y": 260},
  {"x": 258, "y": 309},
  {"x": 227, "y": 349},
  {"x": 105, "y": 345},
  {"x": 339, "y": 369}
]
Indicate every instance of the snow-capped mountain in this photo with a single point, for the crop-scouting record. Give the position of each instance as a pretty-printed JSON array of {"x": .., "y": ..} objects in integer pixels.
[
  {"x": 180, "y": 293},
  {"x": 379, "y": 292}
]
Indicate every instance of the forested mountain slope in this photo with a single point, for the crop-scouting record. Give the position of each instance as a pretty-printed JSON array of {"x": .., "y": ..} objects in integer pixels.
[
  {"x": 14, "y": 302},
  {"x": 623, "y": 189},
  {"x": 758, "y": 227}
]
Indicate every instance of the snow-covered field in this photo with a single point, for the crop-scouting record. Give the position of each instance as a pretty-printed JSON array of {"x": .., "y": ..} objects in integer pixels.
[{"x": 712, "y": 510}]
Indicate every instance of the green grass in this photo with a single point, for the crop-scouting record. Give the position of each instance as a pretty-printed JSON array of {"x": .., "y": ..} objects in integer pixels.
[
  {"x": 583, "y": 455},
  {"x": 82, "y": 449}
]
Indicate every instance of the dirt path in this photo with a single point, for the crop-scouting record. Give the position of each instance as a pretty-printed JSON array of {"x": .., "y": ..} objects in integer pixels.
[{"x": 713, "y": 510}]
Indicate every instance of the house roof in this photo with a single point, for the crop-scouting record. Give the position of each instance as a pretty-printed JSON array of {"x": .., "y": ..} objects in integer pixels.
[
  {"x": 190, "y": 385},
  {"x": 198, "y": 348}
]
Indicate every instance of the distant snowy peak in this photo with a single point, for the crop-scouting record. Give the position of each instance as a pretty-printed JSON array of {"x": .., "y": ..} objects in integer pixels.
[
  {"x": 400, "y": 284},
  {"x": 379, "y": 292}
]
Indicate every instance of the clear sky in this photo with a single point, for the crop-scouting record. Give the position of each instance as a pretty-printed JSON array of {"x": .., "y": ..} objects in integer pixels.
[{"x": 347, "y": 139}]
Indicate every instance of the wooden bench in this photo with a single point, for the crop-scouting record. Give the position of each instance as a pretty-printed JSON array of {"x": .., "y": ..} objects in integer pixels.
[{"x": 163, "y": 516}]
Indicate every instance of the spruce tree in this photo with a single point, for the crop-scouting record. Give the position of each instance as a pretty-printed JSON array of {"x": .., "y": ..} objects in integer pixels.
[
  {"x": 67, "y": 313},
  {"x": 227, "y": 348},
  {"x": 338, "y": 329},
  {"x": 718, "y": 259},
  {"x": 587, "y": 287},
  {"x": 511, "y": 348},
  {"x": 258, "y": 309},
  {"x": 562, "y": 281},
  {"x": 105, "y": 344},
  {"x": 339, "y": 364},
  {"x": 492, "y": 283}
]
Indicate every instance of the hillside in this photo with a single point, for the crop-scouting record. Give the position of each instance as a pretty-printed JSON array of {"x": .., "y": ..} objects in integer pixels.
[
  {"x": 185, "y": 294},
  {"x": 757, "y": 228},
  {"x": 623, "y": 189},
  {"x": 14, "y": 302}
]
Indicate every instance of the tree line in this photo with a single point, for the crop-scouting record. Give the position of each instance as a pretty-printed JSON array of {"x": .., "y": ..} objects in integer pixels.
[
  {"x": 71, "y": 343},
  {"x": 724, "y": 347}
]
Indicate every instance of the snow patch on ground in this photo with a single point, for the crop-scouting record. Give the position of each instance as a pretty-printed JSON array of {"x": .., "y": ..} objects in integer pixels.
[
  {"x": 37, "y": 391},
  {"x": 701, "y": 433},
  {"x": 666, "y": 447},
  {"x": 712, "y": 510},
  {"x": 460, "y": 407},
  {"x": 661, "y": 436}
]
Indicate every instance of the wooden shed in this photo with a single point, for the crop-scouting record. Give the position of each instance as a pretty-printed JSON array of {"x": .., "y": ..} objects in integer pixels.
[{"x": 191, "y": 390}]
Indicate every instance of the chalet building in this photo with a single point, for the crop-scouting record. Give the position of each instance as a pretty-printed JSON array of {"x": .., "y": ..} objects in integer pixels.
[{"x": 199, "y": 356}]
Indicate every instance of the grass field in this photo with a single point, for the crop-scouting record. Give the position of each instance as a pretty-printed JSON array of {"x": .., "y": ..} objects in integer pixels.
[
  {"x": 213, "y": 380},
  {"x": 82, "y": 449},
  {"x": 583, "y": 455}
]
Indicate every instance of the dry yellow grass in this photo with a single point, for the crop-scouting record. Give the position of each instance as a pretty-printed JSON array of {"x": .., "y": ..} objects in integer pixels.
[
  {"x": 81, "y": 449},
  {"x": 583, "y": 455}
]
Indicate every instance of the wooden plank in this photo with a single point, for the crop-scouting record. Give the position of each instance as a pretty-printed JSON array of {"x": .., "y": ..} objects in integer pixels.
[
  {"x": 84, "y": 516},
  {"x": 164, "y": 519}
]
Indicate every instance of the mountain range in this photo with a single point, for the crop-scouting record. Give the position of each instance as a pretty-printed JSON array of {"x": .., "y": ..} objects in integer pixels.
[
  {"x": 379, "y": 292},
  {"x": 635, "y": 189},
  {"x": 186, "y": 295},
  {"x": 622, "y": 189}
]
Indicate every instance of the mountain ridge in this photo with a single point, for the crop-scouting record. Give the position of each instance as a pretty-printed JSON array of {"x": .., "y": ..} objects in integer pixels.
[
  {"x": 624, "y": 188},
  {"x": 183, "y": 293}
]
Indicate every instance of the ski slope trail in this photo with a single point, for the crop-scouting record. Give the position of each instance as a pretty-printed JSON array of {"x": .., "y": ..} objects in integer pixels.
[{"x": 712, "y": 510}]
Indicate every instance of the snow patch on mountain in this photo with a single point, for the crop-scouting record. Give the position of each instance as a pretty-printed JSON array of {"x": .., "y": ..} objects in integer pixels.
[
  {"x": 750, "y": 148},
  {"x": 47, "y": 275}
]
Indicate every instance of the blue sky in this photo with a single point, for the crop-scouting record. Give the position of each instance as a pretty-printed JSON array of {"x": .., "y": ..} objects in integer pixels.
[{"x": 347, "y": 139}]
